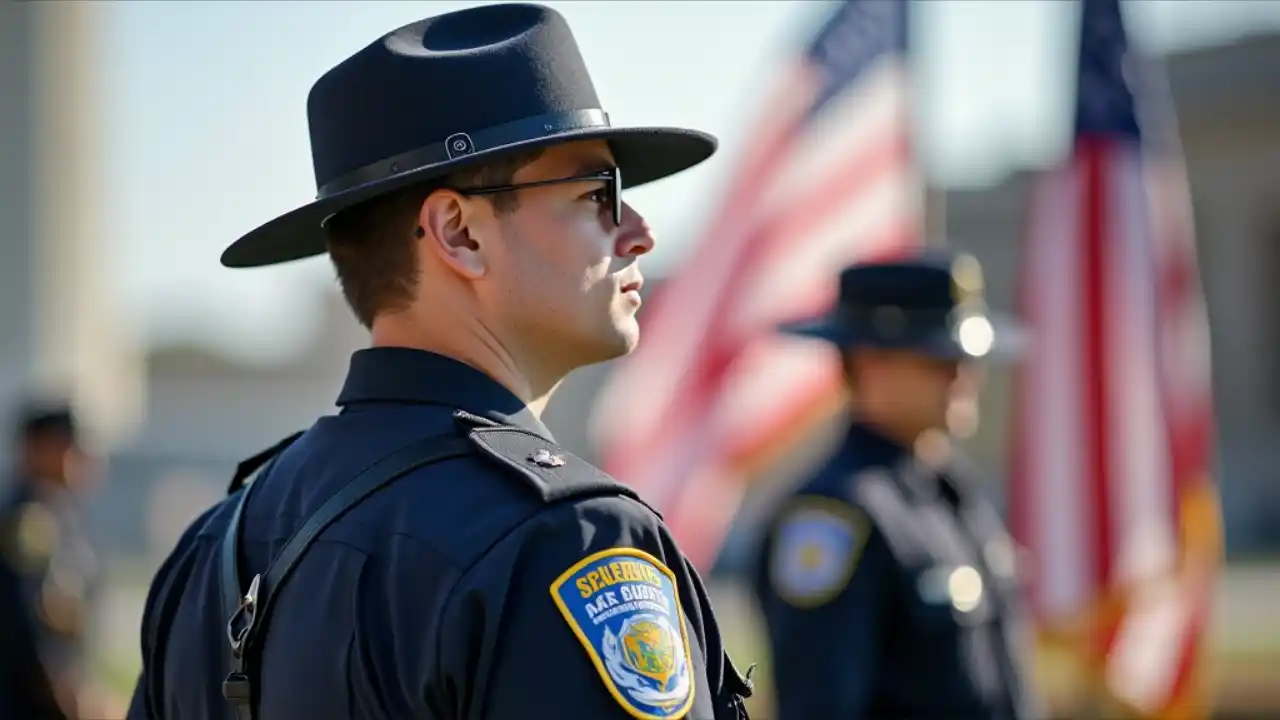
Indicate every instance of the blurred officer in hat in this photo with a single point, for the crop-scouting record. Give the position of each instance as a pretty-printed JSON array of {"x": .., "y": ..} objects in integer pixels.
[
  {"x": 430, "y": 551},
  {"x": 43, "y": 543},
  {"x": 886, "y": 579}
]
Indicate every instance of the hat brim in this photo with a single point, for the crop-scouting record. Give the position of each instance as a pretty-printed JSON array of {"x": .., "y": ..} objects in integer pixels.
[
  {"x": 1008, "y": 339},
  {"x": 644, "y": 154}
]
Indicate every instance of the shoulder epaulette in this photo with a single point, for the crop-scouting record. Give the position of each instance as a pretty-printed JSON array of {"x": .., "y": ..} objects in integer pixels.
[{"x": 555, "y": 473}]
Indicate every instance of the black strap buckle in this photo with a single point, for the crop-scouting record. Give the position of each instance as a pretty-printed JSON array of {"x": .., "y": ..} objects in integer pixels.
[{"x": 237, "y": 688}]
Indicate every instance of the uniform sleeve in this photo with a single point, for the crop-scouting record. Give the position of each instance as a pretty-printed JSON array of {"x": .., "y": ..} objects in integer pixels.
[
  {"x": 823, "y": 583},
  {"x": 142, "y": 706},
  {"x": 576, "y": 614},
  {"x": 25, "y": 690}
]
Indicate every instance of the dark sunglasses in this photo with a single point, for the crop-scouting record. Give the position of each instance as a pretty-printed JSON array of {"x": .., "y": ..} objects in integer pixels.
[{"x": 612, "y": 179}]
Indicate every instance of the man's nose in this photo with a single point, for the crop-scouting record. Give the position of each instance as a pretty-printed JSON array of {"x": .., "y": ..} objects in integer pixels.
[{"x": 635, "y": 237}]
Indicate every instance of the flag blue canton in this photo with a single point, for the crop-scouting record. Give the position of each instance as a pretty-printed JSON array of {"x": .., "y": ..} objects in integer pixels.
[
  {"x": 1104, "y": 99},
  {"x": 859, "y": 32}
]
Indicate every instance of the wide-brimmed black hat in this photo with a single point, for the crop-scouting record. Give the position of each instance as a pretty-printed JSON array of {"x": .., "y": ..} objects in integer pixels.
[
  {"x": 447, "y": 92},
  {"x": 929, "y": 302}
]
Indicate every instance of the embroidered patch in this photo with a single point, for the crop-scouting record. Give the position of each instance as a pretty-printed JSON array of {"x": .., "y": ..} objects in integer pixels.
[
  {"x": 816, "y": 549},
  {"x": 623, "y": 606}
]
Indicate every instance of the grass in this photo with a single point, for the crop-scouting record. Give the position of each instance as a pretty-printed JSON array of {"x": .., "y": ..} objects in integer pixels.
[{"x": 1246, "y": 646}]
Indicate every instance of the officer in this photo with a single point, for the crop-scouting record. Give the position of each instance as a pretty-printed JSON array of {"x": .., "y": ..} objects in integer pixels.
[
  {"x": 43, "y": 543},
  {"x": 430, "y": 551},
  {"x": 886, "y": 579},
  {"x": 25, "y": 689}
]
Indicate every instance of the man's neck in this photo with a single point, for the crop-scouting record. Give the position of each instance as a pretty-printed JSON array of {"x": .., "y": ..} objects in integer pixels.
[
  {"x": 902, "y": 435},
  {"x": 473, "y": 344}
]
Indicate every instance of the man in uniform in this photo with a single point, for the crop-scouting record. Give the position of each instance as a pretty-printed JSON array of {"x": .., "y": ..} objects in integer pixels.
[
  {"x": 25, "y": 690},
  {"x": 44, "y": 545},
  {"x": 430, "y": 551},
  {"x": 886, "y": 580}
]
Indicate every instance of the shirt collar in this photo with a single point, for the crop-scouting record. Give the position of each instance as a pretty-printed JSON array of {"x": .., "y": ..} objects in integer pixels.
[
  {"x": 405, "y": 375},
  {"x": 872, "y": 445}
]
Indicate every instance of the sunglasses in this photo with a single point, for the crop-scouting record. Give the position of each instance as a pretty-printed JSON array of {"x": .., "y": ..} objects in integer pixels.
[{"x": 612, "y": 179}]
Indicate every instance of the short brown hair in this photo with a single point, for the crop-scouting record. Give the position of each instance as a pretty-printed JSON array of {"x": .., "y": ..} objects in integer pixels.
[{"x": 372, "y": 245}]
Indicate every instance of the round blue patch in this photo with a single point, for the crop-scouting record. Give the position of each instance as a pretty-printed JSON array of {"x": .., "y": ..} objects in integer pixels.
[
  {"x": 816, "y": 549},
  {"x": 623, "y": 606}
]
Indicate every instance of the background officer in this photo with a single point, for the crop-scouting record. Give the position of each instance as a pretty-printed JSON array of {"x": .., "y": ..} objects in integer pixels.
[
  {"x": 25, "y": 690},
  {"x": 43, "y": 543},
  {"x": 470, "y": 200},
  {"x": 886, "y": 580}
]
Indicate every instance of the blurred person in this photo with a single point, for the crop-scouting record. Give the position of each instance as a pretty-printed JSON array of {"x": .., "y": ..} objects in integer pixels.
[
  {"x": 25, "y": 690},
  {"x": 887, "y": 580},
  {"x": 444, "y": 557},
  {"x": 44, "y": 544}
]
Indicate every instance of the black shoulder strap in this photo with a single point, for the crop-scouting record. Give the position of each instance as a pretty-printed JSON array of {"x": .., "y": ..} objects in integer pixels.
[
  {"x": 874, "y": 490},
  {"x": 246, "y": 467},
  {"x": 249, "y": 610}
]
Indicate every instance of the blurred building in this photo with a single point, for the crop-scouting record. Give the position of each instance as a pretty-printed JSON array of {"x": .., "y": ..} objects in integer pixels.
[
  {"x": 59, "y": 329},
  {"x": 205, "y": 414}
]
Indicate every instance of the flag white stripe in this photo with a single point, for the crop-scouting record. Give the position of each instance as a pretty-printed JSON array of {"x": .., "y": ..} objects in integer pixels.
[
  {"x": 1140, "y": 482},
  {"x": 788, "y": 279},
  {"x": 1059, "y": 448},
  {"x": 852, "y": 119}
]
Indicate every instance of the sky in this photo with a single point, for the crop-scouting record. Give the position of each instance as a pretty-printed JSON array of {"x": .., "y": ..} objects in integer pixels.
[{"x": 205, "y": 129}]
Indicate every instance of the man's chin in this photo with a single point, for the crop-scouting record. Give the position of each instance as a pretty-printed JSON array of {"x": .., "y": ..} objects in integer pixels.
[{"x": 623, "y": 343}]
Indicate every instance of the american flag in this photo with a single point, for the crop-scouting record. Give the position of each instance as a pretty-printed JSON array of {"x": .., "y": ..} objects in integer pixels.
[
  {"x": 827, "y": 178},
  {"x": 1111, "y": 490}
]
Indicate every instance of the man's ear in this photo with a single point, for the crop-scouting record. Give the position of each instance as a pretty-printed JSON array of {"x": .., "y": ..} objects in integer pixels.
[{"x": 446, "y": 225}]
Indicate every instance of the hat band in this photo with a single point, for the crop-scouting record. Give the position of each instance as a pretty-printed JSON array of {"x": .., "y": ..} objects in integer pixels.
[
  {"x": 467, "y": 143},
  {"x": 895, "y": 321}
]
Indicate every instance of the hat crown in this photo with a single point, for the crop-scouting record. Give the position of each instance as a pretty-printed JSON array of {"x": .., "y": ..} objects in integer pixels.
[
  {"x": 915, "y": 284},
  {"x": 460, "y": 72}
]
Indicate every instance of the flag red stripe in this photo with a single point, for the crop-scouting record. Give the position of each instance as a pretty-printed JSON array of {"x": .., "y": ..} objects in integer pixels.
[
  {"x": 1022, "y": 497},
  {"x": 887, "y": 151},
  {"x": 1094, "y": 157}
]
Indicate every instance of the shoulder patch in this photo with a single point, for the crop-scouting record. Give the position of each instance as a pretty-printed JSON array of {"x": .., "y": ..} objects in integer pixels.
[
  {"x": 816, "y": 549},
  {"x": 623, "y": 606}
]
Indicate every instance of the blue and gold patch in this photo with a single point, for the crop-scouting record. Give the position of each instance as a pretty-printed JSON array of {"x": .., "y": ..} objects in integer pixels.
[
  {"x": 815, "y": 551},
  {"x": 623, "y": 605}
]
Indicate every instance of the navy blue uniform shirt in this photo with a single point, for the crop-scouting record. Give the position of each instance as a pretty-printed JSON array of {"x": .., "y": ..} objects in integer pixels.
[
  {"x": 888, "y": 589},
  {"x": 25, "y": 689},
  {"x": 460, "y": 591}
]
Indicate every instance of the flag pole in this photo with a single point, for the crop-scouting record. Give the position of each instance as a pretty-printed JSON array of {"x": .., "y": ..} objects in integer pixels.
[
  {"x": 935, "y": 215},
  {"x": 934, "y": 210}
]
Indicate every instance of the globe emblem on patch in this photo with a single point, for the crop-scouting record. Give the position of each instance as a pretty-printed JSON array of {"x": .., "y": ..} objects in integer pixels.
[
  {"x": 645, "y": 662},
  {"x": 650, "y": 651}
]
